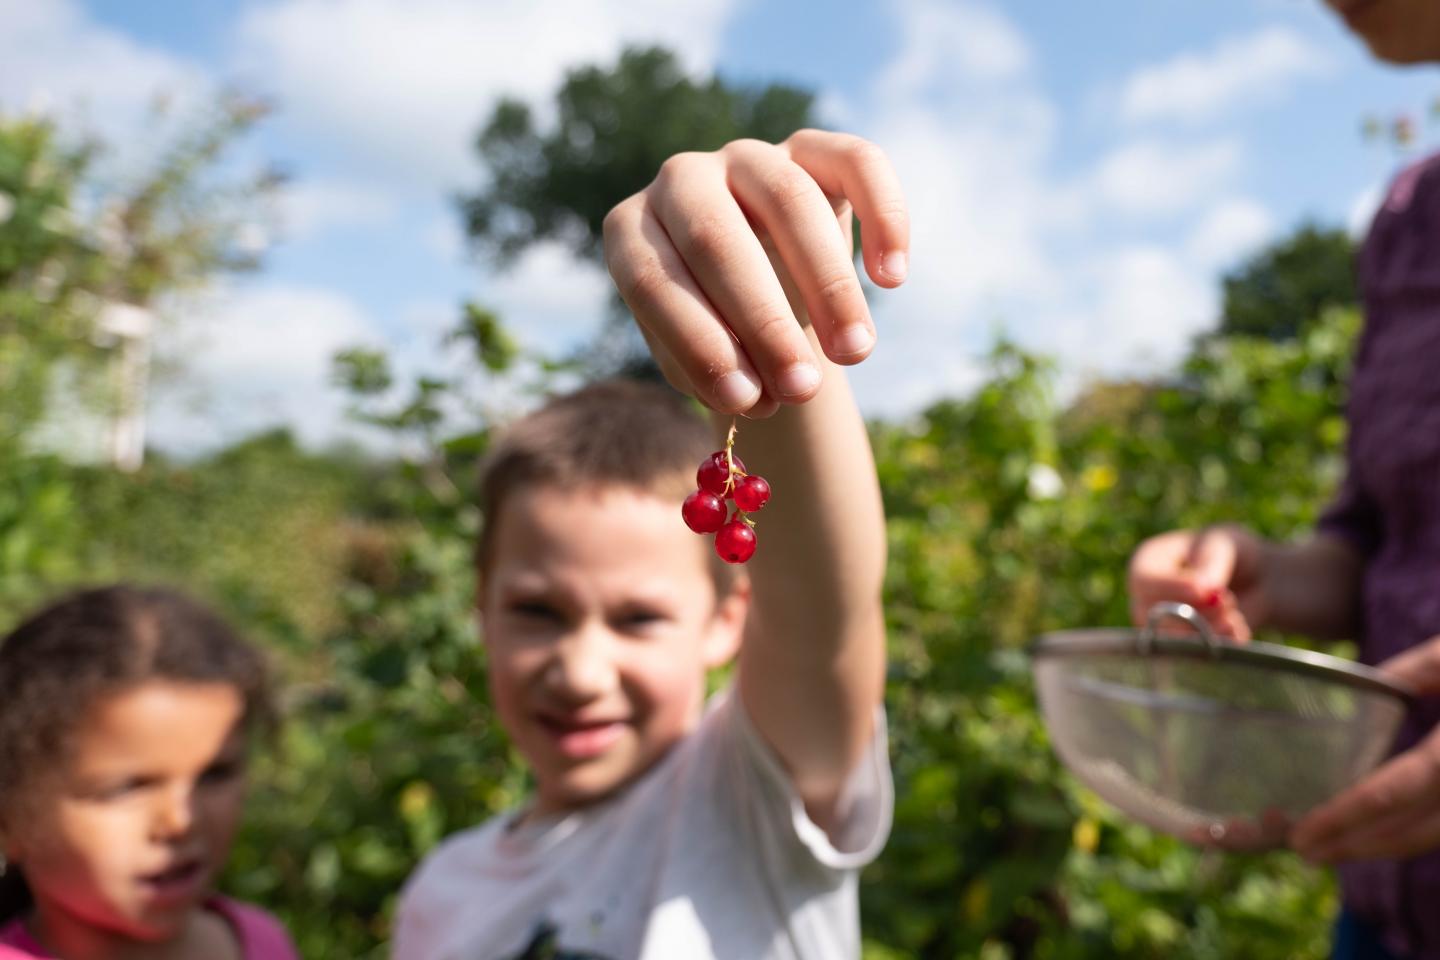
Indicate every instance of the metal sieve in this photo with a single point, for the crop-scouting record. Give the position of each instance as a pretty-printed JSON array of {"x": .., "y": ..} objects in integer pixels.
[{"x": 1207, "y": 739}]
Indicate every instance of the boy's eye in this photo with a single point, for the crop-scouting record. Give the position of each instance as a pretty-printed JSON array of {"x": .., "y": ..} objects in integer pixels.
[
  {"x": 641, "y": 618},
  {"x": 535, "y": 609}
]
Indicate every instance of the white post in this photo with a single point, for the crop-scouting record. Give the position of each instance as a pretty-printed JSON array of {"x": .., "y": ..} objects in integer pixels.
[{"x": 132, "y": 326}]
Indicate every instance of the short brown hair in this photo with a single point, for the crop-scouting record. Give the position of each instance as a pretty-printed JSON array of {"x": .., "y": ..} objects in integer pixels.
[{"x": 612, "y": 433}]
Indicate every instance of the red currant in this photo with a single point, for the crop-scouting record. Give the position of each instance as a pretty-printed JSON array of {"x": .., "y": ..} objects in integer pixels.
[
  {"x": 752, "y": 493},
  {"x": 714, "y": 474},
  {"x": 703, "y": 512},
  {"x": 735, "y": 542}
]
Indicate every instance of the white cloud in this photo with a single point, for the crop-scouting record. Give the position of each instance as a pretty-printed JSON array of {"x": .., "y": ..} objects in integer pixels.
[
  {"x": 310, "y": 207},
  {"x": 402, "y": 86},
  {"x": 1363, "y": 209},
  {"x": 1240, "y": 70},
  {"x": 549, "y": 300},
  {"x": 256, "y": 358},
  {"x": 947, "y": 43},
  {"x": 1149, "y": 303},
  {"x": 1230, "y": 230},
  {"x": 1110, "y": 270},
  {"x": 1149, "y": 178},
  {"x": 53, "y": 58}
]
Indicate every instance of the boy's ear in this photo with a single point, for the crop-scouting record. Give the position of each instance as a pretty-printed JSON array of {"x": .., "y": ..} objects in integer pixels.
[{"x": 727, "y": 626}]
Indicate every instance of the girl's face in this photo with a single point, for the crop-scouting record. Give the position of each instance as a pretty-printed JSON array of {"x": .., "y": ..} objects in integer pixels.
[
  {"x": 127, "y": 838},
  {"x": 1400, "y": 31}
]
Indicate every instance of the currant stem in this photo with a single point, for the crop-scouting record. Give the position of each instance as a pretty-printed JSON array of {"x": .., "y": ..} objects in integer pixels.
[{"x": 730, "y": 456}]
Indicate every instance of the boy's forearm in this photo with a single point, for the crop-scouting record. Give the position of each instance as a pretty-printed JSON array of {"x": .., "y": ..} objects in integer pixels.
[{"x": 812, "y": 667}]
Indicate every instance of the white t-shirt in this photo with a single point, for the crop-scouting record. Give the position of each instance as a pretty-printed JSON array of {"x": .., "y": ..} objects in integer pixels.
[{"x": 709, "y": 854}]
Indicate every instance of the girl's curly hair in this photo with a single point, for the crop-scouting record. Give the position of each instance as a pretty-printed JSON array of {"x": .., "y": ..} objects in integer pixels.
[{"x": 93, "y": 644}]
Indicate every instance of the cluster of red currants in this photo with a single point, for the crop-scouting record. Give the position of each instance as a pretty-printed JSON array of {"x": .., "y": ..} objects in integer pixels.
[{"x": 722, "y": 477}]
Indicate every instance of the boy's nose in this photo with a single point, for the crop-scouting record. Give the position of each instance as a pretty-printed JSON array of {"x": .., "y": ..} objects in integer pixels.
[{"x": 582, "y": 668}]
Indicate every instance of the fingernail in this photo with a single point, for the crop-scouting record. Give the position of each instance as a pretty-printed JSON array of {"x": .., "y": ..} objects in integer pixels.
[
  {"x": 797, "y": 380},
  {"x": 894, "y": 265},
  {"x": 737, "y": 390},
  {"x": 1212, "y": 599},
  {"x": 852, "y": 341}
]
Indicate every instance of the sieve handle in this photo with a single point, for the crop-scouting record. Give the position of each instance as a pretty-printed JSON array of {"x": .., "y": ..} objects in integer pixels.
[{"x": 1176, "y": 611}]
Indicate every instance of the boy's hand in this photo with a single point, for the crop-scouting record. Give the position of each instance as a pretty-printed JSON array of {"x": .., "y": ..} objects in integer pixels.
[
  {"x": 1395, "y": 811},
  {"x": 1217, "y": 570},
  {"x": 692, "y": 253}
]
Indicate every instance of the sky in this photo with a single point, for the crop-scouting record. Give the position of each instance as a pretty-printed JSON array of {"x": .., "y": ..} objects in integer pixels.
[{"x": 1080, "y": 175}]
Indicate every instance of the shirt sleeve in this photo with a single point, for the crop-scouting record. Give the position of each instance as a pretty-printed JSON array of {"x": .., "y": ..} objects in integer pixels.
[
  {"x": 1352, "y": 517},
  {"x": 863, "y": 809}
]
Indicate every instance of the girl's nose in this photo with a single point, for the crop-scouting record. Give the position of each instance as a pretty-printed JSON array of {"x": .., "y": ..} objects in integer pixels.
[{"x": 174, "y": 814}]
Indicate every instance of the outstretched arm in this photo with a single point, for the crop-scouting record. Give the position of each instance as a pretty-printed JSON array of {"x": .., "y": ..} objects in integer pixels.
[{"x": 738, "y": 268}]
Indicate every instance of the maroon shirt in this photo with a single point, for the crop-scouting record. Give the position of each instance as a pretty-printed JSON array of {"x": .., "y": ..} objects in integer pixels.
[{"x": 1389, "y": 507}]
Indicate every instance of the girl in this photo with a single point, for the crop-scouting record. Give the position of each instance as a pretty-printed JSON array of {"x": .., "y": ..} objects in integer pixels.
[{"x": 125, "y": 720}]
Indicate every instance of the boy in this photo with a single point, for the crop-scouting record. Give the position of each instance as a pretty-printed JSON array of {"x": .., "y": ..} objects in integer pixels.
[{"x": 663, "y": 827}]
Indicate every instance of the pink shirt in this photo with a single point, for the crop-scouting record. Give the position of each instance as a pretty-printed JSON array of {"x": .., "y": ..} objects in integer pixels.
[{"x": 261, "y": 936}]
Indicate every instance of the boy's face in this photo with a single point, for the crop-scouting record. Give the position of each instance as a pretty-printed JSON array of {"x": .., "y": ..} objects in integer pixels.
[{"x": 600, "y": 618}]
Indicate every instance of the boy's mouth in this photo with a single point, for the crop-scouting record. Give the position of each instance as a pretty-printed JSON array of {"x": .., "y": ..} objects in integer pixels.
[{"x": 580, "y": 740}]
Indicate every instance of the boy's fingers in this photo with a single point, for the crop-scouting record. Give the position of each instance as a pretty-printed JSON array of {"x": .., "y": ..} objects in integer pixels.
[
  {"x": 673, "y": 311},
  {"x": 789, "y": 205},
  {"x": 721, "y": 251},
  {"x": 856, "y": 169}
]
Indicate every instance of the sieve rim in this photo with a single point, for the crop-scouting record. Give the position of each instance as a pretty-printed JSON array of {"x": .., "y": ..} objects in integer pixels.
[{"x": 1119, "y": 641}]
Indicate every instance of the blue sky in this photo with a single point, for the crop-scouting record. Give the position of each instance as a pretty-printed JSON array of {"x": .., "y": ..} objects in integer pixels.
[{"x": 1081, "y": 174}]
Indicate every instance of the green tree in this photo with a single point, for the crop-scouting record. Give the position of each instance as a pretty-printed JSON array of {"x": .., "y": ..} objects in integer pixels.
[
  {"x": 1287, "y": 286},
  {"x": 613, "y": 128},
  {"x": 75, "y": 238}
]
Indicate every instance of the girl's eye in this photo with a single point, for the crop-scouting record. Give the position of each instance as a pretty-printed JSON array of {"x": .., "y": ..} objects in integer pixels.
[
  {"x": 120, "y": 789},
  {"x": 221, "y": 772}
]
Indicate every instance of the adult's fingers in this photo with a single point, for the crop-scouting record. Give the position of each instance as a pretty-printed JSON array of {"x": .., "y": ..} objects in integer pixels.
[
  {"x": 670, "y": 306},
  {"x": 1403, "y": 834},
  {"x": 1406, "y": 787},
  {"x": 788, "y": 204},
  {"x": 1419, "y": 666},
  {"x": 856, "y": 169},
  {"x": 710, "y": 232}
]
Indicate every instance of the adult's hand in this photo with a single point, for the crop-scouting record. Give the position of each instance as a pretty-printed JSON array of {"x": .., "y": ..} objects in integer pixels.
[
  {"x": 704, "y": 255},
  {"x": 1217, "y": 570},
  {"x": 1395, "y": 811}
]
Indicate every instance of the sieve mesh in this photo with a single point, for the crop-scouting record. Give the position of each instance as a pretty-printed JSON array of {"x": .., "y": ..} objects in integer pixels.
[{"x": 1206, "y": 746}]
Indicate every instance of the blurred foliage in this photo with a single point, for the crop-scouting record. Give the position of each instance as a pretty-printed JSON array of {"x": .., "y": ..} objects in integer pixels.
[
  {"x": 1291, "y": 284},
  {"x": 74, "y": 237},
  {"x": 1010, "y": 516}
]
